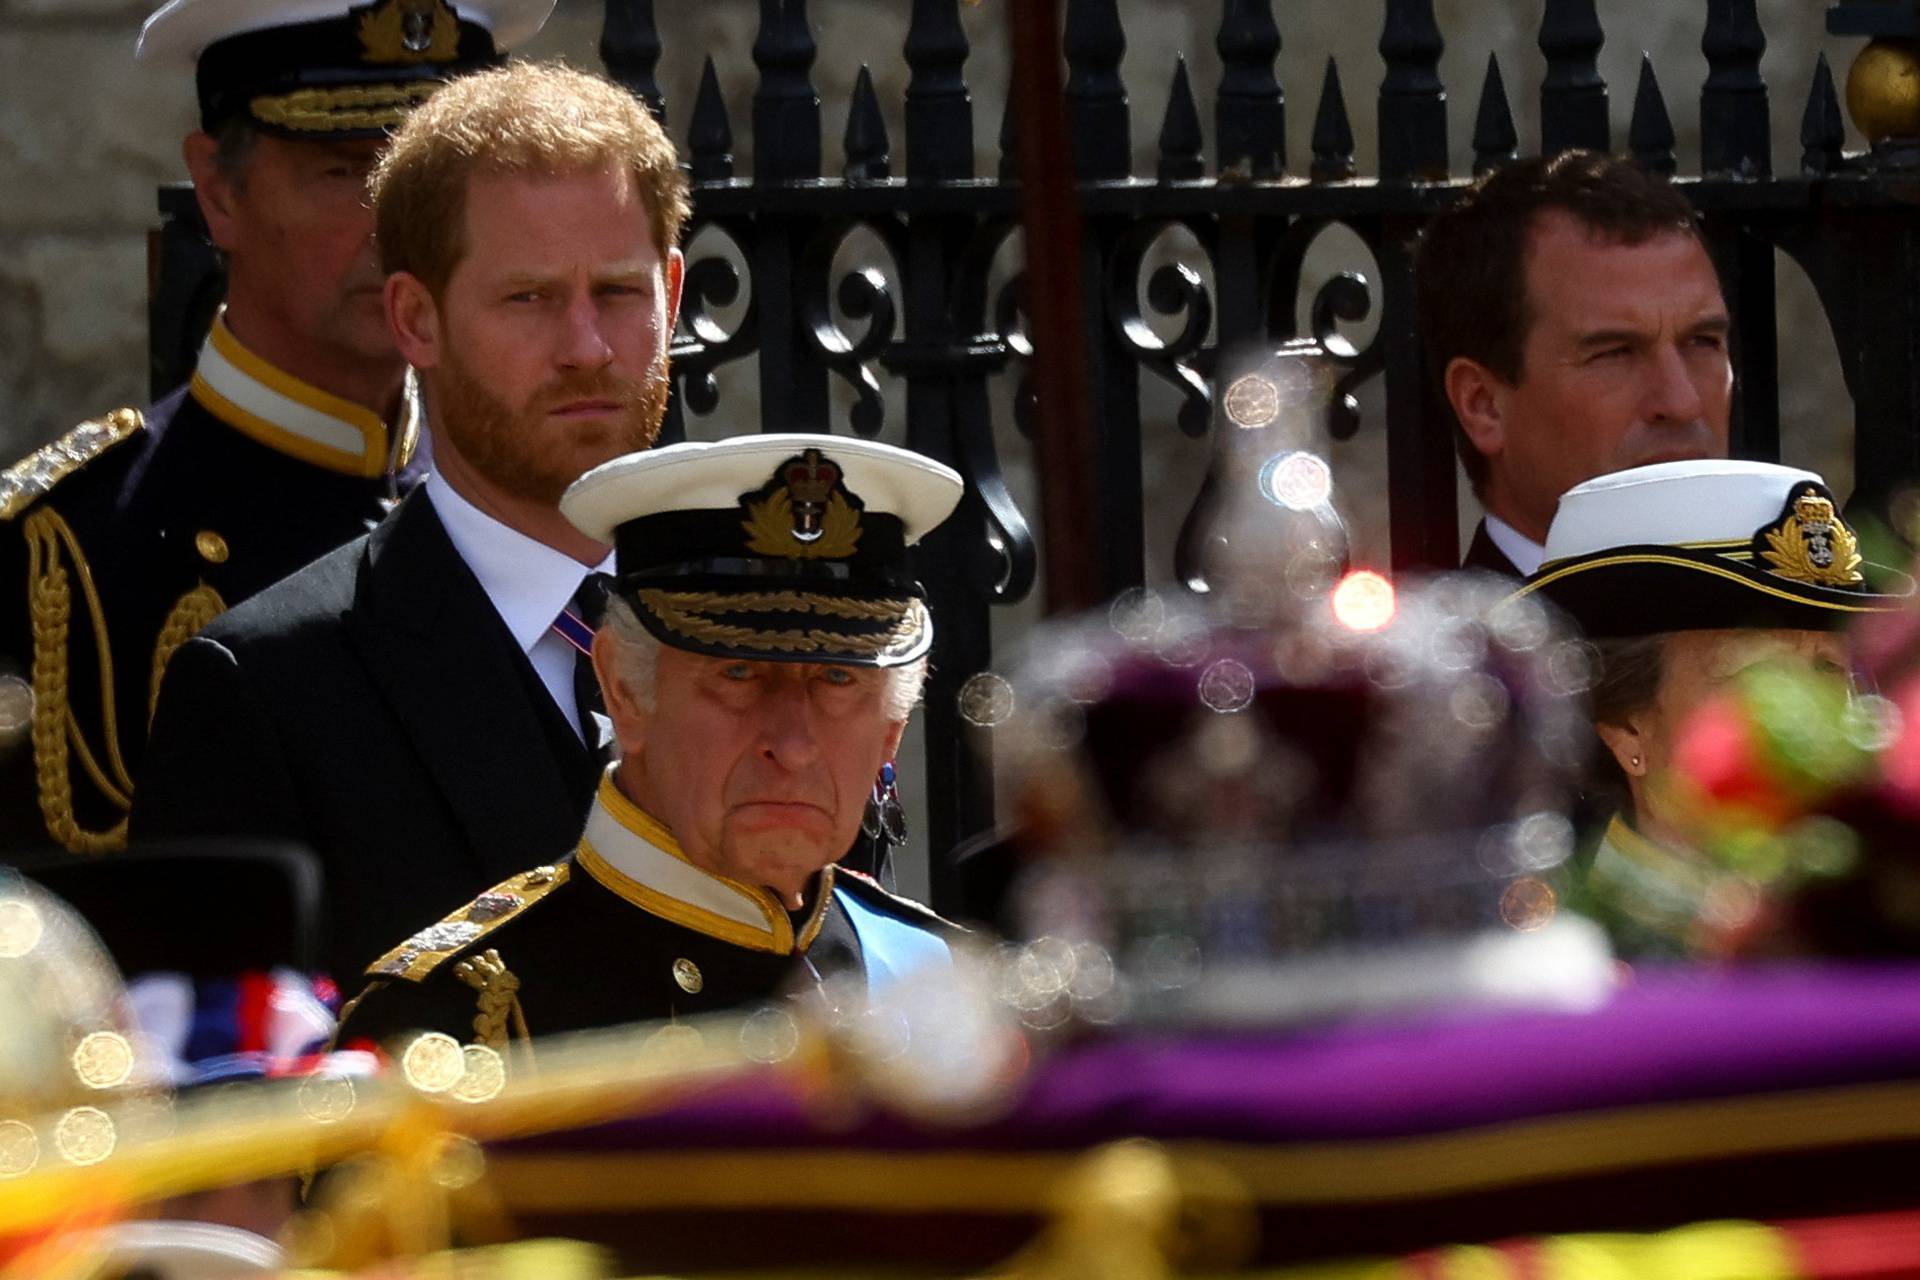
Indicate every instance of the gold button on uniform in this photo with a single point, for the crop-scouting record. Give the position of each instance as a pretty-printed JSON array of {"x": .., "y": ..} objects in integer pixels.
[
  {"x": 687, "y": 974},
  {"x": 211, "y": 546}
]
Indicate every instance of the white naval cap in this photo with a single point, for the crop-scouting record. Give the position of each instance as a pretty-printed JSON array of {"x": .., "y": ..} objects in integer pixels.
[
  {"x": 180, "y": 30},
  {"x": 784, "y": 548},
  {"x": 698, "y": 476},
  {"x": 1692, "y": 503},
  {"x": 1707, "y": 543}
]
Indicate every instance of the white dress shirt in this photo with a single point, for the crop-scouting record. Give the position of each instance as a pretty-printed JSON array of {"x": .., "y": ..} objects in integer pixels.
[
  {"x": 527, "y": 581},
  {"x": 1524, "y": 552}
]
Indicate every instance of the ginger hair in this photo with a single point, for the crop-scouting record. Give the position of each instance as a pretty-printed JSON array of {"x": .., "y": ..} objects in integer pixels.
[{"x": 538, "y": 118}]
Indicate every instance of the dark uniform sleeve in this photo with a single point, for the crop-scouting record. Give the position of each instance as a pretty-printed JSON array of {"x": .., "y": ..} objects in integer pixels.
[{"x": 214, "y": 765}]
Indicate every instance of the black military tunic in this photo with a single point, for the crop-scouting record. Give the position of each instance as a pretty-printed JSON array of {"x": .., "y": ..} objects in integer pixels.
[
  {"x": 629, "y": 931},
  {"x": 121, "y": 539}
]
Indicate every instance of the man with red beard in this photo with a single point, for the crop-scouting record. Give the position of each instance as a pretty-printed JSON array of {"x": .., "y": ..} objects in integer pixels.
[{"x": 417, "y": 707}]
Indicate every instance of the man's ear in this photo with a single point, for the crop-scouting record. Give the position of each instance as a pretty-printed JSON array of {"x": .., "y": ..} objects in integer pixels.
[
  {"x": 629, "y": 718},
  {"x": 676, "y": 276},
  {"x": 414, "y": 318},
  {"x": 895, "y": 733},
  {"x": 1477, "y": 400},
  {"x": 211, "y": 186},
  {"x": 1628, "y": 744}
]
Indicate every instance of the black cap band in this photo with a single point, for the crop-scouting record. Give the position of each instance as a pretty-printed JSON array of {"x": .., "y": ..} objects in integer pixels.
[{"x": 352, "y": 76}]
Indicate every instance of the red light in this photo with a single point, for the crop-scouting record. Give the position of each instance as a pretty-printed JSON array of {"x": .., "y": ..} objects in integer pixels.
[{"x": 1363, "y": 601}]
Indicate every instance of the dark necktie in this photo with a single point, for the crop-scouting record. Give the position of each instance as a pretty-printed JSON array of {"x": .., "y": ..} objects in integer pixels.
[{"x": 576, "y": 625}]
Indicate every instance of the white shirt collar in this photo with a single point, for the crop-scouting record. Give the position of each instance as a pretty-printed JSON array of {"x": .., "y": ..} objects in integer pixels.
[
  {"x": 1524, "y": 552},
  {"x": 528, "y": 581}
]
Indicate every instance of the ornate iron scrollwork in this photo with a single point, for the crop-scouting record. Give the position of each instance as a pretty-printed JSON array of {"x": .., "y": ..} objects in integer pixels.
[
  {"x": 988, "y": 321},
  {"x": 1345, "y": 298},
  {"x": 1174, "y": 289},
  {"x": 863, "y": 294},
  {"x": 712, "y": 282}
]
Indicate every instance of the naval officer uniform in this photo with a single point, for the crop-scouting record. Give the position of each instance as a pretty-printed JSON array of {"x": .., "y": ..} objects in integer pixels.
[
  {"x": 765, "y": 549},
  {"x": 125, "y": 536}
]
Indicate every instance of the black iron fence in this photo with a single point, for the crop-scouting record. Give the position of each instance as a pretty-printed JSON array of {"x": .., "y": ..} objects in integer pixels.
[{"x": 941, "y": 320}]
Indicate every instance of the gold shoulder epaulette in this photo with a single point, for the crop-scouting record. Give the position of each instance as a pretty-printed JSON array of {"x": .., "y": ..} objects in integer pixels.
[
  {"x": 29, "y": 479},
  {"x": 421, "y": 954}
]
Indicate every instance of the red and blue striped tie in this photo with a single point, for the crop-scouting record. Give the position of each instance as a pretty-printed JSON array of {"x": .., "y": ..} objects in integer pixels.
[{"x": 576, "y": 625}]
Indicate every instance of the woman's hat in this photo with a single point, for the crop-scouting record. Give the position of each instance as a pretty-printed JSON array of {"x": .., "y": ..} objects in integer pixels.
[{"x": 1707, "y": 544}]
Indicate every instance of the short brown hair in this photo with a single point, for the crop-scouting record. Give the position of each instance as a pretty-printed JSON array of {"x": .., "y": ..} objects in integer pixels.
[
  {"x": 1627, "y": 680},
  {"x": 526, "y": 117},
  {"x": 1470, "y": 269}
]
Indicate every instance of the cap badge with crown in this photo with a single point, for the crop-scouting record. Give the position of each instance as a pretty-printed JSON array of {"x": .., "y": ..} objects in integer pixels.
[
  {"x": 1811, "y": 543},
  {"x": 809, "y": 517},
  {"x": 410, "y": 31}
]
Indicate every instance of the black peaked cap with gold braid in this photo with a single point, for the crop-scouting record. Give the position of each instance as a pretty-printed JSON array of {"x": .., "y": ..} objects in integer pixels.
[
  {"x": 1706, "y": 545},
  {"x": 327, "y": 69},
  {"x": 786, "y": 548}
]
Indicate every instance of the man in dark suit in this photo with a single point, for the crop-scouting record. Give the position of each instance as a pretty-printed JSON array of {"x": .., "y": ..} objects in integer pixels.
[
  {"x": 1575, "y": 323},
  {"x": 409, "y": 706},
  {"x": 121, "y": 538}
]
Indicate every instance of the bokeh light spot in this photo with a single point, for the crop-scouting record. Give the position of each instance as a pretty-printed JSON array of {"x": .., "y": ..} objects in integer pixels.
[
  {"x": 1227, "y": 686},
  {"x": 327, "y": 1098},
  {"x": 1363, "y": 601},
  {"x": 460, "y": 1162},
  {"x": 19, "y": 1148},
  {"x": 85, "y": 1135},
  {"x": 433, "y": 1063},
  {"x": 485, "y": 1075},
  {"x": 1252, "y": 401},
  {"x": 1871, "y": 722},
  {"x": 16, "y": 707},
  {"x": 1137, "y": 614},
  {"x": 1479, "y": 701},
  {"x": 103, "y": 1060},
  {"x": 986, "y": 700},
  {"x": 20, "y": 928},
  {"x": 769, "y": 1035},
  {"x": 1528, "y": 904},
  {"x": 1571, "y": 667},
  {"x": 1298, "y": 481}
]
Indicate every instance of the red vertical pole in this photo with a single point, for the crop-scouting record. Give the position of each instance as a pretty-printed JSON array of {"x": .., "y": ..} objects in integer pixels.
[{"x": 1062, "y": 428}]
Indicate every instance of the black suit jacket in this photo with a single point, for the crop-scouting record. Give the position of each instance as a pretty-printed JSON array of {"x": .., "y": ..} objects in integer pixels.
[
  {"x": 375, "y": 708},
  {"x": 1483, "y": 554}
]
